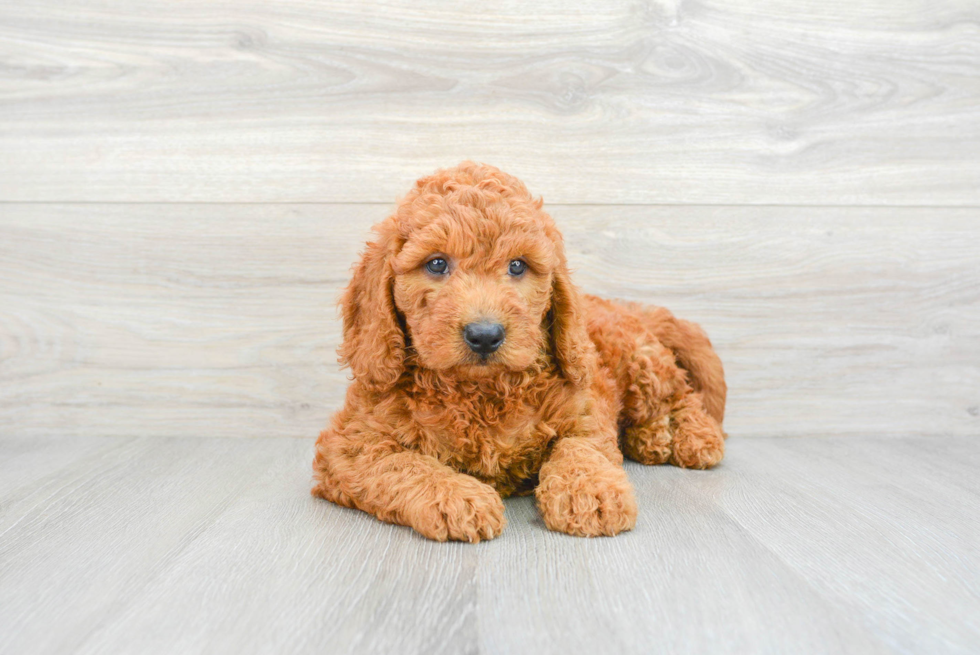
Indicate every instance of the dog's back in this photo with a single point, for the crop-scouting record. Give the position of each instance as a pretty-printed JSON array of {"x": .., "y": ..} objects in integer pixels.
[{"x": 617, "y": 325}]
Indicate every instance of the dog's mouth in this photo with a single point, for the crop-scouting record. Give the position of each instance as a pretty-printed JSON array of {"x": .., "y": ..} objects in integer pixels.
[{"x": 478, "y": 366}]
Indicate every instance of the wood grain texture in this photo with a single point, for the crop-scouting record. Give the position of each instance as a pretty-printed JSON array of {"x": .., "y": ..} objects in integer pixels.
[
  {"x": 900, "y": 529},
  {"x": 804, "y": 180},
  {"x": 219, "y": 320},
  {"x": 708, "y": 102},
  {"x": 811, "y": 545}
]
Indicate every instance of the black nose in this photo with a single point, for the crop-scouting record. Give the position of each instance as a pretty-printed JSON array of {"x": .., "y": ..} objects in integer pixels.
[{"x": 483, "y": 338}]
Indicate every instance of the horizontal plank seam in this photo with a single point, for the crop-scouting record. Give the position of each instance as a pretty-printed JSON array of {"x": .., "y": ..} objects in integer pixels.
[{"x": 547, "y": 204}]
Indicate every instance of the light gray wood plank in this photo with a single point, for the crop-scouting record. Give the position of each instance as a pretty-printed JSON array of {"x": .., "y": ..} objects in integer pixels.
[
  {"x": 807, "y": 102},
  {"x": 687, "y": 579},
  {"x": 73, "y": 551},
  {"x": 839, "y": 321},
  {"x": 809, "y": 545},
  {"x": 28, "y": 462},
  {"x": 219, "y": 320},
  {"x": 884, "y": 529},
  {"x": 280, "y": 571},
  {"x": 226, "y": 312}
]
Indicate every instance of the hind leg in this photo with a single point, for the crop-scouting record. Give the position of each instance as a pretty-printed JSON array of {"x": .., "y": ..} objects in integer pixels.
[
  {"x": 651, "y": 378},
  {"x": 685, "y": 436},
  {"x": 698, "y": 442},
  {"x": 649, "y": 443},
  {"x": 665, "y": 420}
]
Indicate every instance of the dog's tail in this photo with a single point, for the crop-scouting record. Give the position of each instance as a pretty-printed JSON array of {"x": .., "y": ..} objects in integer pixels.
[{"x": 694, "y": 354}]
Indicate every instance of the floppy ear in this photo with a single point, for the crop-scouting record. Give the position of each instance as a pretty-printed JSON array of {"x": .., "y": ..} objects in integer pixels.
[
  {"x": 570, "y": 343},
  {"x": 374, "y": 343}
]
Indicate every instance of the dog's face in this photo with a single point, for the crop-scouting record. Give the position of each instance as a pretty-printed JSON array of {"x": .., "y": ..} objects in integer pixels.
[
  {"x": 474, "y": 286},
  {"x": 470, "y": 273}
]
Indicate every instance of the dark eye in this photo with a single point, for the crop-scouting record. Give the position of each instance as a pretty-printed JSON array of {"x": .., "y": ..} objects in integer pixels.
[
  {"x": 437, "y": 266},
  {"x": 517, "y": 268}
]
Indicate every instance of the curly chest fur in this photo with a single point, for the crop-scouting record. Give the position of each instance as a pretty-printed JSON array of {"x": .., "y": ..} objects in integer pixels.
[{"x": 501, "y": 436}]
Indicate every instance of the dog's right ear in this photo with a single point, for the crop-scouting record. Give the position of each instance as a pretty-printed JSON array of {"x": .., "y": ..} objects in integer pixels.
[{"x": 374, "y": 343}]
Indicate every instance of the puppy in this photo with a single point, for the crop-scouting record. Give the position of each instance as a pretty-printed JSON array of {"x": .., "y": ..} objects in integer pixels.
[{"x": 480, "y": 371}]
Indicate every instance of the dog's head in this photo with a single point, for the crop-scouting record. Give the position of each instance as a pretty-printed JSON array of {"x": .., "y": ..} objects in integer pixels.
[{"x": 471, "y": 274}]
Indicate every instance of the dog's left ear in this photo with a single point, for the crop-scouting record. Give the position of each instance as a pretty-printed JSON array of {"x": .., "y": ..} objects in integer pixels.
[{"x": 573, "y": 350}]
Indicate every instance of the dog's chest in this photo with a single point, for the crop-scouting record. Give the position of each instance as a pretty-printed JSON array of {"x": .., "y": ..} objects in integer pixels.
[{"x": 503, "y": 443}]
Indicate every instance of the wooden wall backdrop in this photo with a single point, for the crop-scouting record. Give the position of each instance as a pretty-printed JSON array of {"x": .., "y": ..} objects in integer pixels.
[{"x": 184, "y": 186}]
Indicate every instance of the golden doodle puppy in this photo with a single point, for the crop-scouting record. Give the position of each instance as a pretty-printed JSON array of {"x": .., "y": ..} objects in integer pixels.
[{"x": 480, "y": 371}]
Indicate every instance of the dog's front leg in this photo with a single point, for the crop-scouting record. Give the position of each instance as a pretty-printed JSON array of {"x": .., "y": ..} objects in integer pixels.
[
  {"x": 359, "y": 465},
  {"x": 583, "y": 489}
]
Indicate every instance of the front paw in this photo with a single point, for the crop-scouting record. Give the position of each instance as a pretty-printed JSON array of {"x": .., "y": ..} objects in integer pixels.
[
  {"x": 460, "y": 508},
  {"x": 586, "y": 496}
]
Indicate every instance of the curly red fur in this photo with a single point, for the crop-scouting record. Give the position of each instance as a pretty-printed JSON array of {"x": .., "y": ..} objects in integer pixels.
[{"x": 432, "y": 435}]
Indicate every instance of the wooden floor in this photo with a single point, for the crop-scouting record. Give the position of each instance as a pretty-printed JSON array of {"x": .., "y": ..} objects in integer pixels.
[{"x": 810, "y": 545}]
